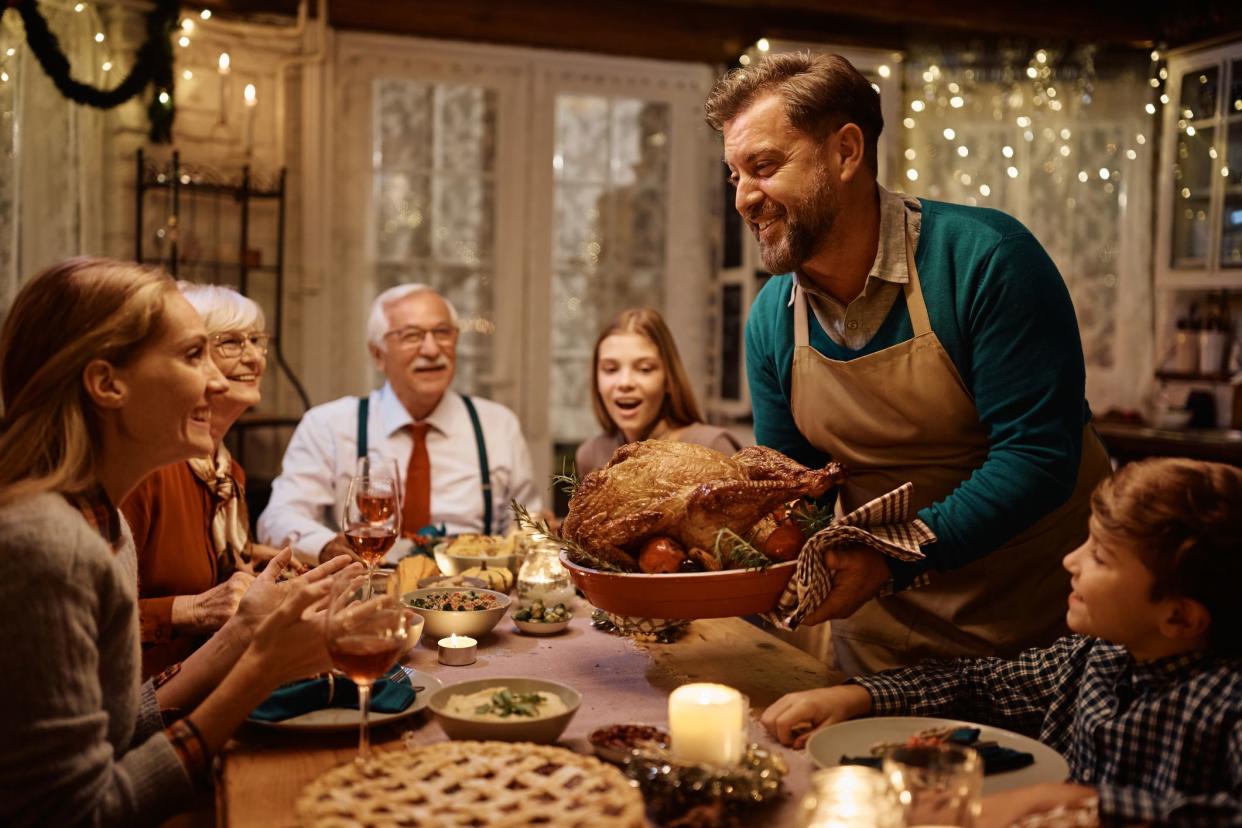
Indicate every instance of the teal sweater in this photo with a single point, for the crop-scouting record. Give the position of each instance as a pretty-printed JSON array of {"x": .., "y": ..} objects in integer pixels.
[{"x": 1003, "y": 314}]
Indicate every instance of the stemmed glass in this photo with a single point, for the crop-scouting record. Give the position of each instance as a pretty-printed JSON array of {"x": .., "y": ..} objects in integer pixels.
[
  {"x": 372, "y": 518},
  {"x": 377, "y": 465},
  {"x": 367, "y": 630}
]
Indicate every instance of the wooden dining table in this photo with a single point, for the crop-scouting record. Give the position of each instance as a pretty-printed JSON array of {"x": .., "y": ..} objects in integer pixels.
[{"x": 263, "y": 770}]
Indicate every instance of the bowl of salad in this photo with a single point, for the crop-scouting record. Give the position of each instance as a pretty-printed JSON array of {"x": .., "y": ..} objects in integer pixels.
[
  {"x": 537, "y": 619},
  {"x": 457, "y": 610}
]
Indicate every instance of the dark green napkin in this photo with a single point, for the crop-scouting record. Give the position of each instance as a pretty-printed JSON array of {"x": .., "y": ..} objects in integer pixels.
[{"x": 391, "y": 694}]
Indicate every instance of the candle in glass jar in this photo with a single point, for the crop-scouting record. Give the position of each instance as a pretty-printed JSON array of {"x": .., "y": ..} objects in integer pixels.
[
  {"x": 707, "y": 724},
  {"x": 458, "y": 650}
]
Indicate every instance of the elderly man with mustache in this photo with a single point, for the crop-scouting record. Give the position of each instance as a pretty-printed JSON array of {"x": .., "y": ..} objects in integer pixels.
[{"x": 461, "y": 459}]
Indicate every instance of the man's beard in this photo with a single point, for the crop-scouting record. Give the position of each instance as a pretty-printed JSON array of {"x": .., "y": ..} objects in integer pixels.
[{"x": 807, "y": 225}]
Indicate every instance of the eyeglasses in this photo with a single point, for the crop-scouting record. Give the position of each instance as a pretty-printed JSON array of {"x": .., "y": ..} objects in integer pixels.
[
  {"x": 234, "y": 344},
  {"x": 411, "y": 336}
]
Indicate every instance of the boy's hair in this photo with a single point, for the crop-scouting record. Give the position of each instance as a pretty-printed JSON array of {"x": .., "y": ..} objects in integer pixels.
[{"x": 1184, "y": 520}]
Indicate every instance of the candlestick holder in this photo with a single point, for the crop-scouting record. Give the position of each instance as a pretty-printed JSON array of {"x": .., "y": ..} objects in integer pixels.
[{"x": 673, "y": 788}]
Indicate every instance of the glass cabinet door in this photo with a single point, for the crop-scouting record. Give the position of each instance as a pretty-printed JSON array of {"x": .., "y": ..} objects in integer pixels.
[{"x": 1231, "y": 172}]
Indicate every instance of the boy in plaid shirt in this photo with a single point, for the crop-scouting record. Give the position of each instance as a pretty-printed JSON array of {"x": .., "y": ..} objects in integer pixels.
[{"x": 1145, "y": 701}]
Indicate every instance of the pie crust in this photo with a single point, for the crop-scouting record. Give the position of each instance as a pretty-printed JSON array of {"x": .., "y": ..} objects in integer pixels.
[{"x": 474, "y": 785}]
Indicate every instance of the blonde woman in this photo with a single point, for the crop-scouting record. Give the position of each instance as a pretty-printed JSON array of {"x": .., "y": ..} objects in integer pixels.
[
  {"x": 641, "y": 392},
  {"x": 189, "y": 520},
  {"x": 105, "y": 377}
]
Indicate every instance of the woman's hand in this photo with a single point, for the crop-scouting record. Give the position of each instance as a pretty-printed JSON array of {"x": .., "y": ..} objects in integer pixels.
[
  {"x": 792, "y": 717},
  {"x": 290, "y": 643},
  {"x": 208, "y": 611},
  {"x": 268, "y": 592}
]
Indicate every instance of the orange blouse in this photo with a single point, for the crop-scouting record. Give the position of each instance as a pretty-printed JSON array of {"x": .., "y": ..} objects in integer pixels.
[{"x": 170, "y": 516}]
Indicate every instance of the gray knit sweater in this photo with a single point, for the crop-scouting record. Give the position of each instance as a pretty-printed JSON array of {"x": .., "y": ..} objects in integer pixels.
[{"x": 82, "y": 740}]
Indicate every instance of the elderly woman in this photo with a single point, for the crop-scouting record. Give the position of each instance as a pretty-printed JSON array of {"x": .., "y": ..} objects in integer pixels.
[
  {"x": 189, "y": 520},
  {"x": 105, "y": 377},
  {"x": 640, "y": 392}
]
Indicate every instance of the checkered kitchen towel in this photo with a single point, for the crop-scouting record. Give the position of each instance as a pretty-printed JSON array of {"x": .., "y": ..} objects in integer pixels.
[{"x": 882, "y": 524}]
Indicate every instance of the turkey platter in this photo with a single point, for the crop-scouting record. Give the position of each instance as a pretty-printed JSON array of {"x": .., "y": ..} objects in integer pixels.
[{"x": 659, "y": 502}]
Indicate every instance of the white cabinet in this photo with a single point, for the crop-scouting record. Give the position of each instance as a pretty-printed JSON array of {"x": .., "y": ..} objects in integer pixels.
[{"x": 1200, "y": 215}]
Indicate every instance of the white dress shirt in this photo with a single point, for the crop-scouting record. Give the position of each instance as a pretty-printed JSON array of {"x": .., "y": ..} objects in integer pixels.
[{"x": 306, "y": 502}]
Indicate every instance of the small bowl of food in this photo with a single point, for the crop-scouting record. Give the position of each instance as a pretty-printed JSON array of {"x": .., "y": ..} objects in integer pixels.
[
  {"x": 505, "y": 709},
  {"x": 537, "y": 619},
  {"x": 464, "y": 552},
  {"x": 452, "y": 611},
  {"x": 614, "y": 742}
]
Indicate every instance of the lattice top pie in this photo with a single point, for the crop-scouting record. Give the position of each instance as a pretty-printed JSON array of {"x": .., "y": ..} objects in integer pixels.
[{"x": 475, "y": 784}]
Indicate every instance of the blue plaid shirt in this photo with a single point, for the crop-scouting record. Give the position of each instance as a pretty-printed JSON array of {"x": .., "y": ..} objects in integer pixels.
[{"x": 1161, "y": 740}]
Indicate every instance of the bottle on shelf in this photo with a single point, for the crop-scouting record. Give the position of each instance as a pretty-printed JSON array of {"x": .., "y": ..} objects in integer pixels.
[{"x": 1186, "y": 346}]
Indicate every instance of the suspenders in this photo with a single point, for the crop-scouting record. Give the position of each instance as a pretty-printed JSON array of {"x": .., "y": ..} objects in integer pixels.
[{"x": 485, "y": 475}]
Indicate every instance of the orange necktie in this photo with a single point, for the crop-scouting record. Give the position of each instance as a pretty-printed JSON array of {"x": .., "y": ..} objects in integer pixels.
[{"x": 416, "y": 513}]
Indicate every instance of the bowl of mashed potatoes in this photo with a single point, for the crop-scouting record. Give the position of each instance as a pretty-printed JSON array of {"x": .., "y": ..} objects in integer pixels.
[{"x": 505, "y": 709}]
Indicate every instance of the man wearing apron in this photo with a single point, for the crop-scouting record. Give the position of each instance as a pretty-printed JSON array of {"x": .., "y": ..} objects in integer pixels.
[
  {"x": 912, "y": 341},
  {"x": 460, "y": 460}
]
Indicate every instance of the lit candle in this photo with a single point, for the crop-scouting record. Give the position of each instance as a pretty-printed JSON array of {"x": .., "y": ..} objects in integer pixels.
[
  {"x": 458, "y": 650},
  {"x": 252, "y": 100},
  {"x": 707, "y": 724}
]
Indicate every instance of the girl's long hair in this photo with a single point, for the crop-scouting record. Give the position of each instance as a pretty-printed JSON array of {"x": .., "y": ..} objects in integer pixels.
[
  {"x": 679, "y": 407},
  {"x": 66, "y": 316}
]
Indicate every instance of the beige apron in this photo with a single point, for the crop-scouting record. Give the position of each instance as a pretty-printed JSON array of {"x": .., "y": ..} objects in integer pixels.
[{"x": 903, "y": 413}]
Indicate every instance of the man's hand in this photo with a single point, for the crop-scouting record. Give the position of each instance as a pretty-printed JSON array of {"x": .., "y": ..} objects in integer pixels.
[
  {"x": 1003, "y": 809},
  {"x": 207, "y": 611},
  {"x": 335, "y": 548},
  {"x": 858, "y": 573},
  {"x": 791, "y": 718}
]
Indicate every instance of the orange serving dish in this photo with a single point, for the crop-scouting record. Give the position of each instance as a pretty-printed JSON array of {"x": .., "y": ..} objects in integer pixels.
[{"x": 723, "y": 594}]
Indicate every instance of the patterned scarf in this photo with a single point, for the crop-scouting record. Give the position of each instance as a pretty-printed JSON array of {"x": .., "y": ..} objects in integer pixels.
[
  {"x": 230, "y": 525},
  {"x": 881, "y": 524}
]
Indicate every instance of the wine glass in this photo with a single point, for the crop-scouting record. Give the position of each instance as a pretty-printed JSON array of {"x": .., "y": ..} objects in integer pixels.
[
  {"x": 367, "y": 630},
  {"x": 374, "y": 464},
  {"x": 372, "y": 517}
]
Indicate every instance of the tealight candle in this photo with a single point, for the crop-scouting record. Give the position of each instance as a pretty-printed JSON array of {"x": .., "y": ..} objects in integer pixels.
[
  {"x": 707, "y": 724},
  {"x": 458, "y": 650}
]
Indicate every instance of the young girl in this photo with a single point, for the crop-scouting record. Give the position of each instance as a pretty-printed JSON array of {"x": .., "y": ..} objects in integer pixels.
[
  {"x": 105, "y": 377},
  {"x": 1145, "y": 701},
  {"x": 641, "y": 392}
]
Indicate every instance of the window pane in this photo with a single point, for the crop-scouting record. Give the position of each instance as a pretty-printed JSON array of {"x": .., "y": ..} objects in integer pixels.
[
  {"x": 1192, "y": 189},
  {"x": 1198, "y": 98},
  {"x": 610, "y": 168},
  {"x": 434, "y": 190}
]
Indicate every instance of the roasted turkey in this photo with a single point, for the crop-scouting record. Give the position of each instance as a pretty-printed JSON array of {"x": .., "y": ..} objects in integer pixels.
[{"x": 685, "y": 492}]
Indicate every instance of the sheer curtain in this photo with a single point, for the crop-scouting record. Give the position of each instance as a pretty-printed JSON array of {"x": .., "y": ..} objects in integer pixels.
[
  {"x": 1060, "y": 140},
  {"x": 52, "y": 150}
]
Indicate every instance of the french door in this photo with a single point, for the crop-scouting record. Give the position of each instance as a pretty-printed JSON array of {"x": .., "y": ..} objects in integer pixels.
[{"x": 541, "y": 192}]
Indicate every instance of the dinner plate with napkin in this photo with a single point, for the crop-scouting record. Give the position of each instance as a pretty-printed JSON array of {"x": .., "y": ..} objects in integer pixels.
[{"x": 331, "y": 702}]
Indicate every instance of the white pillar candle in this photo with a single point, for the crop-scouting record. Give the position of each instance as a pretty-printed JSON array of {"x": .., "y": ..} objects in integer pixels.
[{"x": 707, "y": 724}]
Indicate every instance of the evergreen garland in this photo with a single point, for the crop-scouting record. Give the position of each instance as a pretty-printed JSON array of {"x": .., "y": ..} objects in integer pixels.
[{"x": 153, "y": 64}]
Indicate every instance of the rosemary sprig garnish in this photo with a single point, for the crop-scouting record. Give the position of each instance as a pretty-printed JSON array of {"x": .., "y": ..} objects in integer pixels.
[
  {"x": 568, "y": 478},
  {"x": 505, "y": 704},
  {"x": 735, "y": 552},
  {"x": 812, "y": 517},
  {"x": 541, "y": 533}
]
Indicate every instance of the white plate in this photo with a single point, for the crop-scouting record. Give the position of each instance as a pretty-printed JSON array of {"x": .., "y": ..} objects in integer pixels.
[
  {"x": 342, "y": 718},
  {"x": 855, "y": 738}
]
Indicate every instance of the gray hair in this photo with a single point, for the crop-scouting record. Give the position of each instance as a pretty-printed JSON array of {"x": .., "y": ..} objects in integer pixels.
[
  {"x": 222, "y": 308},
  {"x": 377, "y": 322}
]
